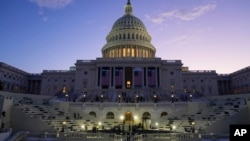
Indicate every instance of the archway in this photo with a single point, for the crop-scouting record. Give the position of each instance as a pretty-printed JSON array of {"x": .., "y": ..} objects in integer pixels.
[
  {"x": 128, "y": 118},
  {"x": 164, "y": 114},
  {"x": 110, "y": 115},
  {"x": 146, "y": 120},
  {"x": 146, "y": 115},
  {"x": 92, "y": 113}
]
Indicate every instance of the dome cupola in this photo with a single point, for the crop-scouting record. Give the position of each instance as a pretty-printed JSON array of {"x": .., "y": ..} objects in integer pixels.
[{"x": 128, "y": 38}]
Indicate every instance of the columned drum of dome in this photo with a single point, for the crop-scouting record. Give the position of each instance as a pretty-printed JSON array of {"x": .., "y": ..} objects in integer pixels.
[{"x": 128, "y": 38}]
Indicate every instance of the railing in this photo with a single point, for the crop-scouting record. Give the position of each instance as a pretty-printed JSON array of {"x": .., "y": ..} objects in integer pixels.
[
  {"x": 50, "y": 71},
  {"x": 202, "y": 71}
]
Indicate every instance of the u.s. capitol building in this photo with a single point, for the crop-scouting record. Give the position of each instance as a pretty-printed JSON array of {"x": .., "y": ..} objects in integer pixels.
[{"x": 127, "y": 87}]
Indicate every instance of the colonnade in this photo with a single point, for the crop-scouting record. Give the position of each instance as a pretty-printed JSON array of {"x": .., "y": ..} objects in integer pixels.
[
  {"x": 132, "y": 51},
  {"x": 117, "y": 76}
]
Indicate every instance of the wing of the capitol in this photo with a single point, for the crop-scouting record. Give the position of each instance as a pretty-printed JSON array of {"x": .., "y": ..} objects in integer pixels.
[{"x": 128, "y": 94}]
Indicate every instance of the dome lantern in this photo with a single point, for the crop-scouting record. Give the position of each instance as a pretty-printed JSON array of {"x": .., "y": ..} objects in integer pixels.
[
  {"x": 128, "y": 8},
  {"x": 128, "y": 38}
]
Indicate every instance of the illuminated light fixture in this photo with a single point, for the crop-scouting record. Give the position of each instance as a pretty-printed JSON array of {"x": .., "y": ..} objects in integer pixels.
[
  {"x": 121, "y": 117},
  {"x": 135, "y": 117}
]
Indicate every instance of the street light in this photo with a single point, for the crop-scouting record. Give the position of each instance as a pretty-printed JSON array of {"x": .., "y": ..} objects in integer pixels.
[
  {"x": 122, "y": 117},
  {"x": 137, "y": 98},
  {"x": 84, "y": 96},
  {"x": 119, "y": 98},
  {"x": 155, "y": 98},
  {"x": 156, "y": 124},
  {"x": 172, "y": 98},
  {"x": 193, "y": 126},
  {"x": 173, "y": 127},
  {"x": 101, "y": 98},
  {"x": 135, "y": 117},
  {"x": 99, "y": 125},
  {"x": 190, "y": 97},
  {"x": 82, "y": 126},
  {"x": 122, "y": 120},
  {"x": 63, "y": 126},
  {"x": 66, "y": 97}
]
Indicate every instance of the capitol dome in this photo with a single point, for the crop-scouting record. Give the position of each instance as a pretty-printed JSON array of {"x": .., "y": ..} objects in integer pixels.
[{"x": 128, "y": 38}]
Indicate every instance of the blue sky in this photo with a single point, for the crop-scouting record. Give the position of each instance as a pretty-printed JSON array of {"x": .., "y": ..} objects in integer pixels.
[{"x": 37, "y": 35}]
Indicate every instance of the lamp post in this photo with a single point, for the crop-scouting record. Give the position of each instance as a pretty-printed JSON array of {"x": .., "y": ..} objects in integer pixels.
[
  {"x": 101, "y": 98},
  {"x": 102, "y": 95},
  {"x": 82, "y": 127},
  {"x": 84, "y": 96},
  {"x": 119, "y": 98},
  {"x": 193, "y": 127},
  {"x": 63, "y": 126},
  {"x": 137, "y": 98},
  {"x": 173, "y": 127},
  {"x": 122, "y": 120},
  {"x": 67, "y": 97},
  {"x": 190, "y": 97},
  {"x": 156, "y": 125},
  {"x": 172, "y": 98},
  {"x": 155, "y": 98}
]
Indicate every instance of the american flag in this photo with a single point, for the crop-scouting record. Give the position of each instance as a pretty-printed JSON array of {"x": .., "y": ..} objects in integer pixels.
[
  {"x": 105, "y": 76},
  {"x": 138, "y": 77},
  {"x": 118, "y": 76},
  {"x": 151, "y": 77}
]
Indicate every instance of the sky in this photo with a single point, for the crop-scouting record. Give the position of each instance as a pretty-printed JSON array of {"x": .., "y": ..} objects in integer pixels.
[{"x": 37, "y": 35}]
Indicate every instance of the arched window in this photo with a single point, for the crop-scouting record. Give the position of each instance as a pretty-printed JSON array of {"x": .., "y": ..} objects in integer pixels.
[
  {"x": 146, "y": 115},
  {"x": 92, "y": 113},
  {"x": 110, "y": 115},
  {"x": 164, "y": 114}
]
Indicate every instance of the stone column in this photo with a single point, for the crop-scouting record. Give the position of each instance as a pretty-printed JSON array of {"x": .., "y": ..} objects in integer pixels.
[
  {"x": 146, "y": 77},
  {"x": 110, "y": 76},
  {"x": 156, "y": 78},
  {"x": 101, "y": 77},
  {"x": 113, "y": 77},
  {"x": 123, "y": 77},
  {"x": 133, "y": 80},
  {"x": 98, "y": 76}
]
